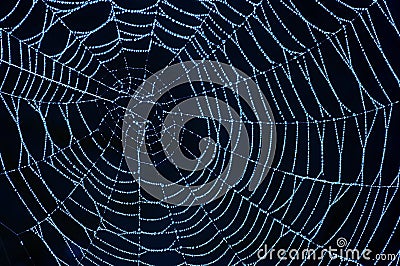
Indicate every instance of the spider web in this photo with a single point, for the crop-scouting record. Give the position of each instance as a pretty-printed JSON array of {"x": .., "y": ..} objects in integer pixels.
[{"x": 329, "y": 70}]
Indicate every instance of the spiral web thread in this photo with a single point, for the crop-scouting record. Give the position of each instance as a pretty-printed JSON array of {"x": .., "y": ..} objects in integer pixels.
[{"x": 329, "y": 71}]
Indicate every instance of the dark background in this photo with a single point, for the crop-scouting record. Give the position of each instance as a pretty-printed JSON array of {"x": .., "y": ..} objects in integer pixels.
[{"x": 356, "y": 216}]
